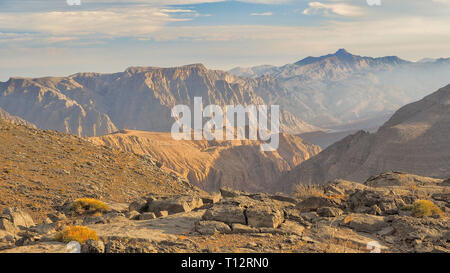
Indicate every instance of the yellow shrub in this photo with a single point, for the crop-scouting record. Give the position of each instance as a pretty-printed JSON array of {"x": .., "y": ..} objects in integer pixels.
[
  {"x": 422, "y": 208},
  {"x": 303, "y": 191},
  {"x": 76, "y": 233},
  {"x": 348, "y": 219},
  {"x": 89, "y": 206}
]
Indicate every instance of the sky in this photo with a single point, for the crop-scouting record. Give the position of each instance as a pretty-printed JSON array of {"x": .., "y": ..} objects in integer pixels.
[{"x": 62, "y": 37}]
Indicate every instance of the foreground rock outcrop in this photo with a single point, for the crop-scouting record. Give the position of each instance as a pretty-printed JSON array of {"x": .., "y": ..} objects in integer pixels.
[{"x": 342, "y": 216}]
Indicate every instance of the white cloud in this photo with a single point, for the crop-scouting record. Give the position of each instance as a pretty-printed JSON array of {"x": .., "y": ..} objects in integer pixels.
[
  {"x": 262, "y": 14},
  {"x": 109, "y": 22},
  {"x": 177, "y": 11},
  {"x": 341, "y": 9}
]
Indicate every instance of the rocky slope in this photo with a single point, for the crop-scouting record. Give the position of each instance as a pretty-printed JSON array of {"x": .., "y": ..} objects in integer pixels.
[
  {"x": 342, "y": 216},
  {"x": 340, "y": 88},
  {"x": 43, "y": 169},
  {"x": 214, "y": 164},
  {"x": 93, "y": 104},
  {"x": 414, "y": 140},
  {"x": 14, "y": 119}
]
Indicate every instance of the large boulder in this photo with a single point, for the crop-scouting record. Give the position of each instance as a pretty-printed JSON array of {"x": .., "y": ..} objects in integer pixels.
[
  {"x": 226, "y": 213},
  {"x": 15, "y": 218},
  {"x": 7, "y": 239},
  {"x": 388, "y": 201},
  {"x": 138, "y": 205},
  {"x": 7, "y": 226},
  {"x": 264, "y": 216}
]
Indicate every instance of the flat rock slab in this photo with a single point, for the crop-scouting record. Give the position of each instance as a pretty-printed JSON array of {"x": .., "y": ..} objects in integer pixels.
[
  {"x": 367, "y": 223},
  {"x": 44, "y": 247},
  {"x": 156, "y": 230},
  {"x": 176, "y": 204},
  {"x": 315, "y": 202},
  {"x": 229, "y": 214},
  {"x": 349, "y": 239},
  {"x": 211, "y": 227},
  {"x": 239, "y": 228}
]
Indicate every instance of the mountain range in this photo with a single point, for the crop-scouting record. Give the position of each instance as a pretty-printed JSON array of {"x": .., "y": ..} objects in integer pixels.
[
  {"x": 415, "y": 139},
  {"x": 342, "y": 88},
  {"x": 140, "y": 98}
]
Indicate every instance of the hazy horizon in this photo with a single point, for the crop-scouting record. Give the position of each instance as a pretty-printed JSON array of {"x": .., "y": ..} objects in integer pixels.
[{"x": 51, "y": 38}]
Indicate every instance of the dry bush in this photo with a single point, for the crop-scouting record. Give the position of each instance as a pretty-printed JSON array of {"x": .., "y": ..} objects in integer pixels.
[
  {"x": 422, "y": 208},
  {"x": 89, "y": 206},
  {"x": 76, "y": 233},
  {"x": 303, "y": 191}
]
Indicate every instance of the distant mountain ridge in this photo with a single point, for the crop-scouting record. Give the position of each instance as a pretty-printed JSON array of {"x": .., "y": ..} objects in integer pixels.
[
  {"x": 344, "y": 56},
  {"x": 342, "y": 88},
  {"x": 415, "y": 139},
  {"x": 94, "y": 104}
]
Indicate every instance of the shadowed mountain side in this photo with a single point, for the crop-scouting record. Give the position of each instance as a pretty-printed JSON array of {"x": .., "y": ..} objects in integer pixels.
[
  {"x": 140, "y": 98},
  {"x": 214, "y": 164},
  {"x": 343, "y": 88},
  {"x": 14, "y": 119},
  {"x": 415, "y": 140}
]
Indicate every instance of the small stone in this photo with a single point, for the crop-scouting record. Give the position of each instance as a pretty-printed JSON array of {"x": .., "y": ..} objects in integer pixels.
[
  {"x": 211, "y": 227},
  {"x": 7, "y": 225},
  {"x": 132, "y": 215},
  {"x": 227, "y": 192},
  {"x": 251, "y": 245},
  {"x": 147, "y": 216},
  {"x": 56, "y": 217},
  {"x": 283, "y": 198},
  {"x": 309, "y": 216},
  {"x": 290, "y": 227},
  {"x": 211, "y": 198},
  {"x": 329, "y": 212},
  {"x": 315, "y": 202},
  {"x": 162, "y": 213},
  {"x": 239, "y": 228},
  {"x": 386, "y": 231},
  {"x": 138, "y": 205}
]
